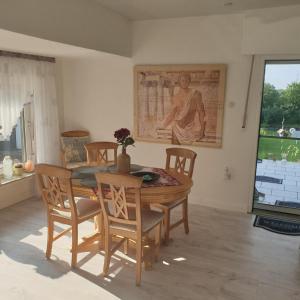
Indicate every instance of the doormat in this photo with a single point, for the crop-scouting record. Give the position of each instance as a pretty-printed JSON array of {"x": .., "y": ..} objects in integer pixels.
[
  {"x": 289, "y": 204},
  {"x": 278, "y": 226},
  {"x": 269, "y": 179}
]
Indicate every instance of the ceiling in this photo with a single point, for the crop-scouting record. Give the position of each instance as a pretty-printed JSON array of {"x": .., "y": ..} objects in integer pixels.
[
  {"x": 162, "y": 9},
  {"x": 16, "y": 42}
]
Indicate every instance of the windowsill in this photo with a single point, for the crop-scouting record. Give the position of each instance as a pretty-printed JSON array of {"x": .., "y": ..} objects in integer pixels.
[{"x": 4, "y": 181}]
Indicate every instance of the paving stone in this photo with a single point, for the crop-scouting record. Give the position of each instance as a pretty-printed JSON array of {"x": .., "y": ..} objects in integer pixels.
[
  {"x": 292, "y": 188},
  {"x": 289, "y": 182},
  {"x": 273, "y": 186},
  {"x": 285, "y": 194}
]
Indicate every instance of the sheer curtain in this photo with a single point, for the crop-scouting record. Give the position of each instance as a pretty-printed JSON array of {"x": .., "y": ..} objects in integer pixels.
[
  {"x": 23, "y": 81},
  {"x": 45, "y": 113},
  {"x": 15, "y": 88}
]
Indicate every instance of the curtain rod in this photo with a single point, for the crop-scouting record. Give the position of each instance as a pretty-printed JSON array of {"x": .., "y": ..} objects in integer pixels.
[{"x": 27, "y": 56}]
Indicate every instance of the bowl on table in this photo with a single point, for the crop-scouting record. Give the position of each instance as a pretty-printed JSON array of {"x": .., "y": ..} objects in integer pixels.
[{"x": 147, "y": 176}]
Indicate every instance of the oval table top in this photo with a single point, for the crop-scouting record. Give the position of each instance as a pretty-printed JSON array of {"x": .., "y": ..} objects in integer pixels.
[{"x": 151, "y": 194}]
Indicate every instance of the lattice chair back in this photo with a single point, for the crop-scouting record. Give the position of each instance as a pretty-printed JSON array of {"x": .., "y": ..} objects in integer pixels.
[
  {"x": 55, "y": 185},
  {"x": 120, "y": 198},
  {"x": 101, "y": 153},
  {"x": 182, "y": 160}
]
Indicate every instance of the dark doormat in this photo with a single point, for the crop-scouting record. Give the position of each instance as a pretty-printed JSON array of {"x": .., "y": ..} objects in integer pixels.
[
  {"x": 269, "y": 179},
  {"x": 289, "y": 204},
  {"x": 277, "y": 225}
]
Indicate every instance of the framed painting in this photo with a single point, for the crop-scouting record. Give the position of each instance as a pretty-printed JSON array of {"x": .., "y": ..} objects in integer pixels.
[{"x": 179, "y": 104}]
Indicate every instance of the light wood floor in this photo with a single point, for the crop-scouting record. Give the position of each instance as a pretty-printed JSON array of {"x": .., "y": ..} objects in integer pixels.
[{"x": 223, "y": 257}]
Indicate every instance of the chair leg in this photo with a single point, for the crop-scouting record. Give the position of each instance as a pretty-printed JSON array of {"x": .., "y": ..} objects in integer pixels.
[
  {"x": 167, "y": 226},
  {"x": 126, "y": 246},
  {"x": 185, "y": 216},
  {"x": 138, "y": 260},
  {"x": 50, "y": 237},
  {"x": 74, "y": 245},
  {"x": 107, "y": 249},
  {"x": 157, "y": 241}
]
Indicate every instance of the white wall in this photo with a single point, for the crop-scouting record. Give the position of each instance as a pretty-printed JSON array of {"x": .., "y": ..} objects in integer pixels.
[
  {"x": 272, "y": 31},
  {"x": 74, "y": 22},
  {"x": 97, "y": 93},
  {"x": 98, "y": 96},
  {"x": 215, "y": 39},
  {"x": 17, "y": 191}
]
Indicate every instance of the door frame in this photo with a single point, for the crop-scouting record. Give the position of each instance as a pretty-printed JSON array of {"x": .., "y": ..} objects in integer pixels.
[{"x": 256, "y": 95}]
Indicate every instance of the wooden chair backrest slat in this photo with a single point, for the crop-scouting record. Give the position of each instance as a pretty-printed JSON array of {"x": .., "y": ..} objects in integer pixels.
[
  {"x": 121, "y": 193},
  {"x": 56, "y": 188},
  {"x": 98, "y": 152},
  {"x": 184, "y": 160}
]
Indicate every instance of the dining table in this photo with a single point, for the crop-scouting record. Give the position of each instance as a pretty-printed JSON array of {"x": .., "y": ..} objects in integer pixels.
[{"x": 167, "y": 186}]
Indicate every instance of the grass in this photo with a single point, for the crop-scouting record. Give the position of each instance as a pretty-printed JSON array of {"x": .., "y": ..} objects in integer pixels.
[{"x": 272, "y": 148}]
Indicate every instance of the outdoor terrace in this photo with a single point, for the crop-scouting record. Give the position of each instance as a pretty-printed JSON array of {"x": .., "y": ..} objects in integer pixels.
[{"x": 287, "y": 190}]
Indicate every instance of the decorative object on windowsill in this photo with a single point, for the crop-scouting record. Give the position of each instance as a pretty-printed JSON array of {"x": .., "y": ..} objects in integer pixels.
[
  {"x": 123, "y": 139},
  {"x": 18, "y": 169},
  {"x": 29, "y": 166},
  {"x": 7, "y": 167}
]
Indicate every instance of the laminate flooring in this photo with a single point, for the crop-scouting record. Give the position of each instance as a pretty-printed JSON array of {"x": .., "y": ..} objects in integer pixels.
[{"x": 223, "y": 257}]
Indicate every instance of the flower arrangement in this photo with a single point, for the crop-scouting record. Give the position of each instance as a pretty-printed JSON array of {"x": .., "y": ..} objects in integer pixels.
[{"x": 123, "y": 138}]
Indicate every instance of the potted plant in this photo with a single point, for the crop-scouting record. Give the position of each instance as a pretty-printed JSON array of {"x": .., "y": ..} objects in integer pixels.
[{"x": 124, "y": 140}]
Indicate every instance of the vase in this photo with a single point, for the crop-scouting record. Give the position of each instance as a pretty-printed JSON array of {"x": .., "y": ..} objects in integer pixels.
[
  {"x": 7, "y": 167},
  {"x": 29, "y": 166},
  {"x": 123, "y": 162}
]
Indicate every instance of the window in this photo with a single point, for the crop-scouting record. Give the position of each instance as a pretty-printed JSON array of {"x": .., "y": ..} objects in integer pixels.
[
  {"x": 277, "y": 181},
  {"x": 19, "y": 146},
  {"x": 14, "y": 146}
]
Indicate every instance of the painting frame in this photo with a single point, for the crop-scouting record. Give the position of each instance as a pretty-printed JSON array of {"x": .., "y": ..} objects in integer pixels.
[{"x": 212, "y": 74}]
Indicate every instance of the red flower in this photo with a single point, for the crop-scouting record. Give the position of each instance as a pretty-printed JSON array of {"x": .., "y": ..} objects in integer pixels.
[
  {"x": 121, "y": 134},
  {"x": 123, "y": 137}
]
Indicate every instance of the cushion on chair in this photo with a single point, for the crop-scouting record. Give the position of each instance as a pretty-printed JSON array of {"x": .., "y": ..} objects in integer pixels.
[
  {"x": 74, "y": 148},
  {"x": 84, "y": 206},
  {"x": 168, "y": 205},
  {"x": 150, "y": 219},
  {"x": 174, "y": 203}
]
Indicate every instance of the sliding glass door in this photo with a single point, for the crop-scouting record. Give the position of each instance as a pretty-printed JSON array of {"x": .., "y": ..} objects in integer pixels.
[{"x": 277, "y": 182}]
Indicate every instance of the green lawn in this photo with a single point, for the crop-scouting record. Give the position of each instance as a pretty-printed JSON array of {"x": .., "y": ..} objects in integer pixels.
[{"x": 272, "y": 148}]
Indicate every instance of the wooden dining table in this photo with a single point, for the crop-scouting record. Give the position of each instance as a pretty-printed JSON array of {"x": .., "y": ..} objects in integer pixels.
[{"x": 170, "y": 187}]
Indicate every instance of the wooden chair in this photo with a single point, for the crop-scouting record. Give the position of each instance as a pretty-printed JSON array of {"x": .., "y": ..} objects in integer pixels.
[
  {"x": 98, "y": 153},
  {"x": 182, "y": 161},
  {"x": 72, "y": 133},
  {"x": 121, "y": 204},
  {"x": 62, "y": 207}
]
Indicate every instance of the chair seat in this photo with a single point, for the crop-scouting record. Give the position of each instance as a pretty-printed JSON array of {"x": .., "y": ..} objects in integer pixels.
[
  {"x": 84, "y": 207},
  {"x": 150, "y": 219},
  {"x": 73, "y": 165},
  {"x": 170, "y": 205}
]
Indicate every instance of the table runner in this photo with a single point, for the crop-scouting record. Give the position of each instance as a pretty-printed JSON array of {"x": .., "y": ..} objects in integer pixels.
[{"x": 164, "y": 178}]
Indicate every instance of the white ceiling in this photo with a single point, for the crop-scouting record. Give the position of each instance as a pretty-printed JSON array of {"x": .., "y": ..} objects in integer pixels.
[{"x": 162, "y": 9}]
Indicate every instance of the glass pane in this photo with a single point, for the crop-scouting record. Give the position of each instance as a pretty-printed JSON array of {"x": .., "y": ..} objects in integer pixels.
[
  {"x": 281, "y": 99},
  {"x": 14, "y": 145}
]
